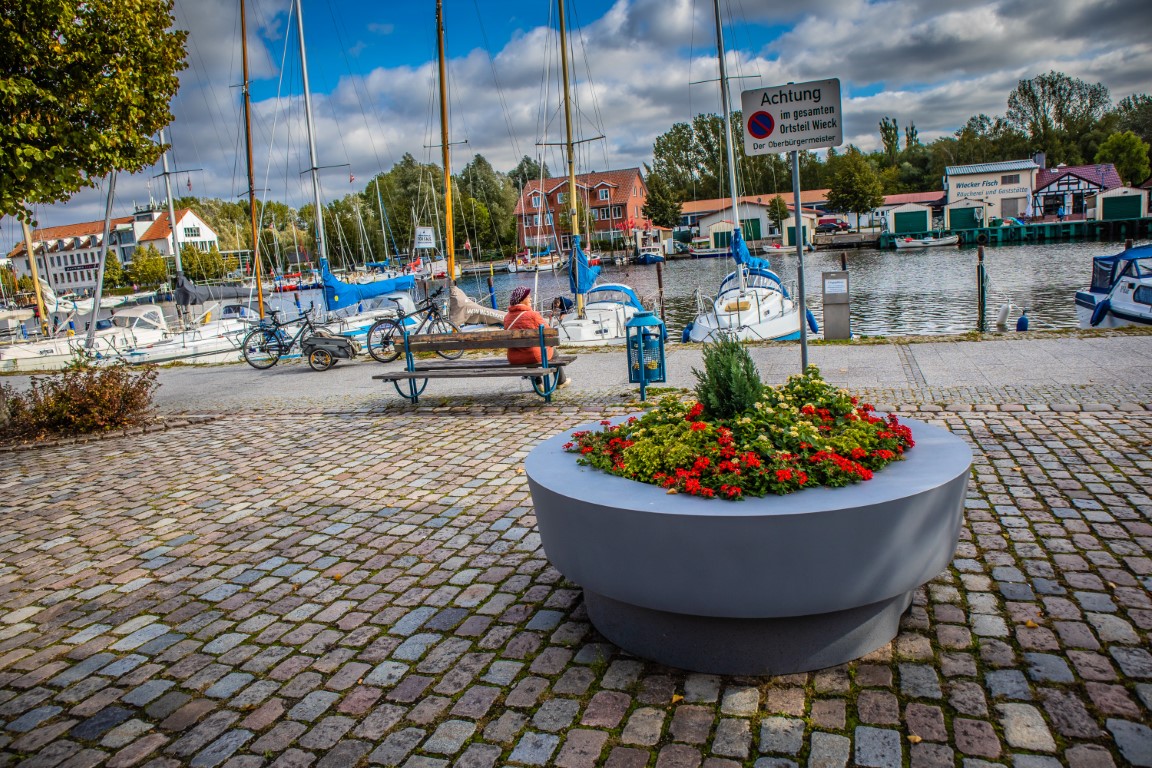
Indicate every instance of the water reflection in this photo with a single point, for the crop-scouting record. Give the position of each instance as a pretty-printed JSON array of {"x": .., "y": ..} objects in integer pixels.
[{"x": 894, "y": 293}]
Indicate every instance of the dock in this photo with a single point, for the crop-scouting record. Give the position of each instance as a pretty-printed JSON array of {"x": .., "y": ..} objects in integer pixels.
[{"x": 1039, "y": 232}]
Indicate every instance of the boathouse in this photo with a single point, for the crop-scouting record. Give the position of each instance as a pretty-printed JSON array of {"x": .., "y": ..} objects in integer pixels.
[
  {"x": 910, "y": 218},
  {"x": 1122, "y": 203},
  {"x": 967, "y": 213},
  {"x": 808, "y": 227},
  {"x": 1005, "y": 186}
]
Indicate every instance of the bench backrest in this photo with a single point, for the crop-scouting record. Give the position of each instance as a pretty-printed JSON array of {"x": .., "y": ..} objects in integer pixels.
[{"x": 431, "y": 342}]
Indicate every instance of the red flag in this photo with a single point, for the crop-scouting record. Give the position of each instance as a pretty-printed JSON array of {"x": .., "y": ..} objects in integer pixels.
[
  {"x": 189, "y": 183},
  {"x": 467, "y": 245},
  {"x": 351, "y": 178}
]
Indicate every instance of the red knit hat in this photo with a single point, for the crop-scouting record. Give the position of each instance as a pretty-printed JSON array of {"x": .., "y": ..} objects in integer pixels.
[{"x": 519, "y": 294}]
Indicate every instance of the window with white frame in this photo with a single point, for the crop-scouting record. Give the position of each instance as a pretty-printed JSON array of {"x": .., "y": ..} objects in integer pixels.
[
  {"x": 548, "y": 219},
  {"x": 561, "y": 198},
  {"x": 191, "y": 232},
  {"x": 604, "y": 193},
  {"x": 617, "y": 212},
  {"x": 535, "y": 201}
]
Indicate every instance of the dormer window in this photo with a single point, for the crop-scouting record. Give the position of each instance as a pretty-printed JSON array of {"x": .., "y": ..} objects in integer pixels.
[
  {"x": 604, "y": 194},
  {"x": 535, "y": 201}
]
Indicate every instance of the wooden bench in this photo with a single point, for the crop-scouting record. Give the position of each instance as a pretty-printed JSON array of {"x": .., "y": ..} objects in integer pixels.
[{"x": 411, "y": 382}]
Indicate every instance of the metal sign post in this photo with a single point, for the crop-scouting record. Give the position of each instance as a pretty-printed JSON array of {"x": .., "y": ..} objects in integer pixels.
[{"x": 791, "y": 118}]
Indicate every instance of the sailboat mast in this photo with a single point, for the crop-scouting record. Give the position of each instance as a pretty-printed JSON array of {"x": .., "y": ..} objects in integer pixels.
[
  {"x": 171, "y": 207},
  {"x": 573, "y": 212},
  {"x": 321, "y": 242},
  {"x": 724, "y": 97},
  {"x": 445, "y": 152},
  {"x": 248, "y": 145}
]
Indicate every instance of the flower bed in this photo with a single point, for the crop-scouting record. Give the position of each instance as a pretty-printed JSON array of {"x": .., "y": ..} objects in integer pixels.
[{"x": 804, "y": 434}]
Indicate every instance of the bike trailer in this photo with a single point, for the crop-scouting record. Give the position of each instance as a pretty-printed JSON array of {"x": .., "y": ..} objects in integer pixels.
[{"x": 324, "y": 348}]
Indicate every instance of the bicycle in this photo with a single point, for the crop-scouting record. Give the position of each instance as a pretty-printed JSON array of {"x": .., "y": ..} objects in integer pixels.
[
  {"x": 268, "y": 342},
  {"x": 385, "y": 338}
]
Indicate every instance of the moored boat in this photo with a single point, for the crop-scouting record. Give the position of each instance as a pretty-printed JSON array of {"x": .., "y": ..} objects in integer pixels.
[
  {"x": 1121, "y": 291},
  {"x": 925, "y": 242}
]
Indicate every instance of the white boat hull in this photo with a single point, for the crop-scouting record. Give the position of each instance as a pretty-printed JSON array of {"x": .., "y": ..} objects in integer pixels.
[
  {"x": 757, "y": 314},
  {"x": 604, "y": 323},
  {"x": 925, "y": 242}
]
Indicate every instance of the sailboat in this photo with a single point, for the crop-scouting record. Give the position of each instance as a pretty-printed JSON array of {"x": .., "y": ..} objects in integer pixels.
[
  {"x": 602, "y": 311},
  {"x": 752, "y": 302}
]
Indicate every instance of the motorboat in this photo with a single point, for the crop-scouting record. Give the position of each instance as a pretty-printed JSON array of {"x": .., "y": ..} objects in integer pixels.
[
  {"x": 903, "y": 243},
  {"x": 1121, "y": 291},
  {"x": 649, "y": 254},
  {"x": 213, "y": 337},
  {"x": 608, "y": 308},
  {"x": 114, "y": 337}
]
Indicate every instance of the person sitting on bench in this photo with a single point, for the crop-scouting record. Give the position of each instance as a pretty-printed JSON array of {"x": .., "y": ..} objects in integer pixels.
[{"x": 521, "y": 317}]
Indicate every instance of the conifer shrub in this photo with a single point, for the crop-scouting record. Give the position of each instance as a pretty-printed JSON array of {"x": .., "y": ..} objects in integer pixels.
[
  {"x": 78, "y": 400},
  {"x": 729, "y": 384}
]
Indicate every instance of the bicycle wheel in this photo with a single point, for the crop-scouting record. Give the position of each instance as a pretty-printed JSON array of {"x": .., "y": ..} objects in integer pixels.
[
  {"x": 440, "y": 325},
  {"x": 262, "y": 348},
  {"x": 385, "y": 340}
]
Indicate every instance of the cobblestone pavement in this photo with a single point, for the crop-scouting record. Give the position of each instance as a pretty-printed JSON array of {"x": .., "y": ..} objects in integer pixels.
[{"x": 366, "y": 586}]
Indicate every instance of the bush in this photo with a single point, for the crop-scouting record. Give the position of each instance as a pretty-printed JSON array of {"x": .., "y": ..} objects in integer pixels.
[
  {"x": 730, "y": 383},
  {"x": 78, "y": 400},
  {"x": 804, "y": 434}
]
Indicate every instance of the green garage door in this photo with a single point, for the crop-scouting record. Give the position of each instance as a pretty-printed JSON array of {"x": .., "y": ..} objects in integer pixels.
[
  {"x": 721, "y": 239},
  {"x": 750, "y": 228},
  {"x": 964, "y": 218},
  {"x": 910, "y": 221},
  {"x": 792, "y": 234},
  {"x": 1126, "y": 207}
]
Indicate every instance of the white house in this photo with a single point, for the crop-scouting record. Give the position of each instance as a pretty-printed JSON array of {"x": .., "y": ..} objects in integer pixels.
[
  {"x": 1006, "y": 186},
  {"x": 68, "y": 256}
]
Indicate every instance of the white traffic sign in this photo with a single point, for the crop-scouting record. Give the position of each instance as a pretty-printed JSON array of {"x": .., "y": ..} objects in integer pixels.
[
  {"x": 425, "y": 238},
  {"x": 788, "y": 118}
]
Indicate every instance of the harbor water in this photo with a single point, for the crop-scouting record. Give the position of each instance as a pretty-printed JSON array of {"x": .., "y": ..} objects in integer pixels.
[{"x": 893, "y": 293}]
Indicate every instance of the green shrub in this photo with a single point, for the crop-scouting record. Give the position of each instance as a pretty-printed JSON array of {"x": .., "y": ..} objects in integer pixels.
[
  {"x": 729, "y": 384},
  {"x": 78, "y": 400}
]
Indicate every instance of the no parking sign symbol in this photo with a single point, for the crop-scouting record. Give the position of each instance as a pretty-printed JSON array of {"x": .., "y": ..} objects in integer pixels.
[{"x": 761, "y": 125}]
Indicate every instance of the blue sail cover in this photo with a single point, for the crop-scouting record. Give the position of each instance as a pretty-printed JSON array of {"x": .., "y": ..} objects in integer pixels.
[
  {"x": 581, "y": 274},
  {"x": 741, "y": 255},
  {"x": 338, "y": 294}
]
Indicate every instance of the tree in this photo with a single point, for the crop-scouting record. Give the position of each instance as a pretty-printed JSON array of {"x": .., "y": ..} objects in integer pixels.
[
  {"x": 778, "y": 211},
  {"x": 113, "y": 272},
  {"x": 1128, "y": 153},
  {"x": 201, "y": 265},
  {"x": 528, "y": 169},
  {"x": 84, "y": 87},
  {"x": 856, "y": 188},
  {"x": 148, "y": 267},
  {"x": 1134, "y": 113},
  {"x": 661, "y": 207},
  {"x": 890, "y": 138},
  {"x": 911, "y": 137},
  {"x": 1053, "y": 109}
]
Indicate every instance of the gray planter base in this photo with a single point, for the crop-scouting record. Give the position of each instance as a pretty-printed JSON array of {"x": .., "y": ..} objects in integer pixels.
[
  {"x": 723, "y": 646},
  {"x": 756, "y": 587}
]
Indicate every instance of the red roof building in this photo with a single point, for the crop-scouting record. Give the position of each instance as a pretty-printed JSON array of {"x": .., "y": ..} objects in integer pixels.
[
  {"x": 68, "y": 256},
  {"x": 614, "y": 202},
  {"x": 1068, "y": 186}
]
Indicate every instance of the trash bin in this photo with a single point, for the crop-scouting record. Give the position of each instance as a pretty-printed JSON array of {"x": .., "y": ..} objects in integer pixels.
[{"x": 644, "y": 335}]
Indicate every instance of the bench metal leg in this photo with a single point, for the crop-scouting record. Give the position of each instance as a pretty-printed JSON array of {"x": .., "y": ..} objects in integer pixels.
[
  {"x": 547, "y": 383},
  {"x": 414, "y": 392}
]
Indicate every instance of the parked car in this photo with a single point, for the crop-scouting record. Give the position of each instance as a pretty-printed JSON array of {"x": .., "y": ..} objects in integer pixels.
[{"x": 831, "y": 224}]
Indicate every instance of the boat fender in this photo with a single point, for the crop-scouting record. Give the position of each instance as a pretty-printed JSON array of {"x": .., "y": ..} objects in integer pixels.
[
  {"x": 1022, "y": 321},
  {"x": 1002, "y": 315},
  {"x": 812, "y": 324},
  {"x": 1100, "y": 312},
  {"x": 982, "y": 239},
  {"x": 687, "y": 334}
]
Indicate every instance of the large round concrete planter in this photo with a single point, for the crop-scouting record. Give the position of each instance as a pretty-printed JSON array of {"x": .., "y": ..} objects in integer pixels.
[{"x": 756, "y": 587}]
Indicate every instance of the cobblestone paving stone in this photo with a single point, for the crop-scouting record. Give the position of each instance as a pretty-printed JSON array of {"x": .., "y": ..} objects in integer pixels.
[{"x": 367, "y": 587}]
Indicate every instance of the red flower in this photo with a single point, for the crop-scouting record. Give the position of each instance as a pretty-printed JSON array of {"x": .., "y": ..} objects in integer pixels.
[
  {"x": 586, "y": 449},
  {"x": 699, "y": 426},
  {"x": 694, "y": 411},
  {"x": 783, "y": 475},
  {"x": 568, "y": 446},
  {"x": 701, "y": 463},
  {"x": 808, "y": 410},
  {"x": 750, "y": 460},
  {"x": 859, "y": 453}
]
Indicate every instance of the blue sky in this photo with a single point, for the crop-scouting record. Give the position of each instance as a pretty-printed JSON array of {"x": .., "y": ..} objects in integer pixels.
[{"x": 372, "y": 71}]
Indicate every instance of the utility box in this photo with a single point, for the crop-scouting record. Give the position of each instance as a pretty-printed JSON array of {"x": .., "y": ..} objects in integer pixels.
[{"x": 837, "y": 306}]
